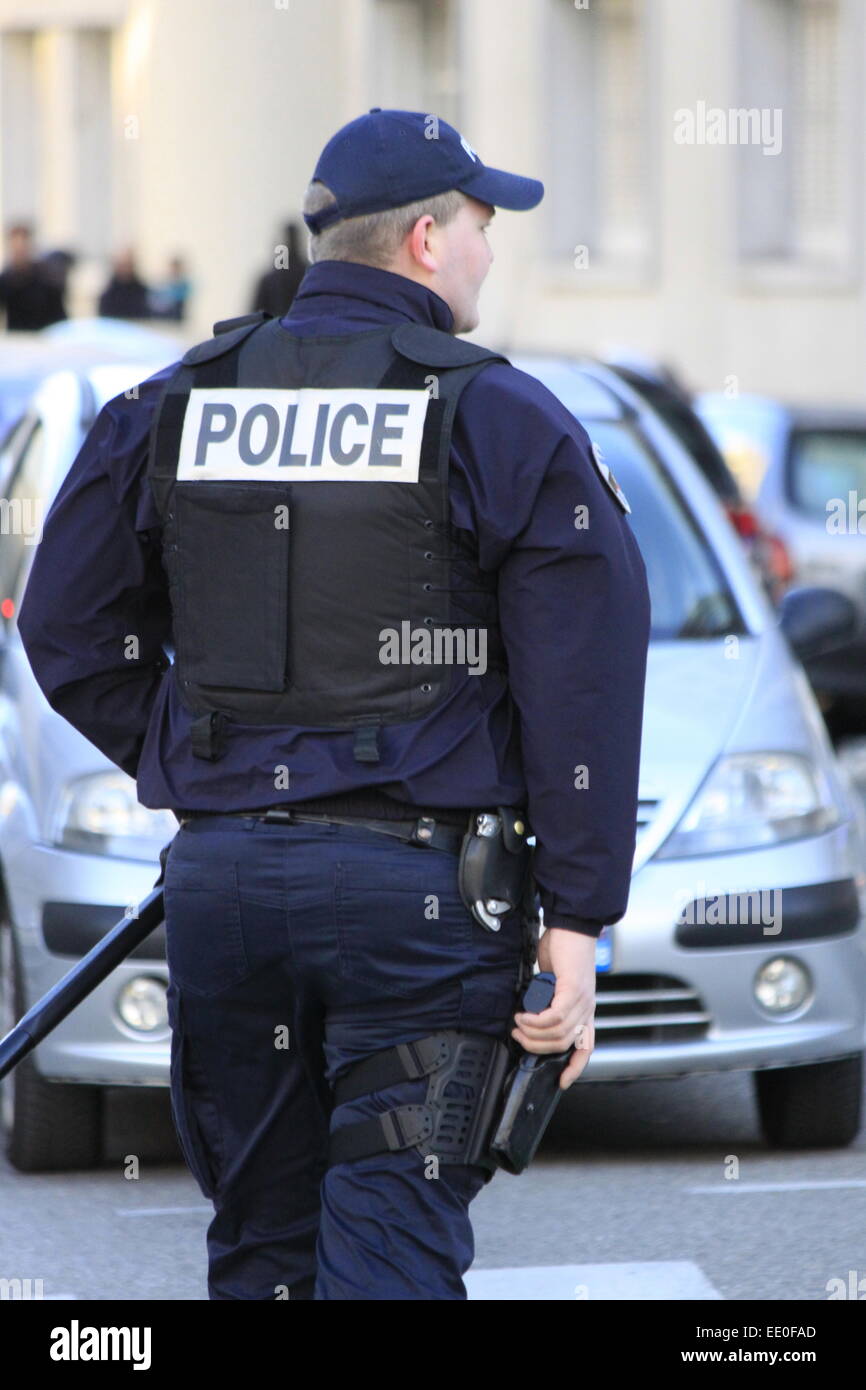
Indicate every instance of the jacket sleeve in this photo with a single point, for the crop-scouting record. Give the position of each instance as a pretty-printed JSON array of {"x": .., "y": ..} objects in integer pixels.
[
  {"x": 95, "y": 616},
  {"x": 574, "y": 613}
]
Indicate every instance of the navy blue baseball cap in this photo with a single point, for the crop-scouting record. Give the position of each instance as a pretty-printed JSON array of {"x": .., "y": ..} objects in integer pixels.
[{"x": 385, "y": 159}]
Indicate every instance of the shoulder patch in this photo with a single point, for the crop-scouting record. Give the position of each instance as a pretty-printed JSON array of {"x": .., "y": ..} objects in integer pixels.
[
  {"x": 431, "y": 347},
  {"x": 607, "y": 477}
]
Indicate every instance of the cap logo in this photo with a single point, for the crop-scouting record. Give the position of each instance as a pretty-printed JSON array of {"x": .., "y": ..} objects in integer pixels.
[{"x": 468, "y": 148}]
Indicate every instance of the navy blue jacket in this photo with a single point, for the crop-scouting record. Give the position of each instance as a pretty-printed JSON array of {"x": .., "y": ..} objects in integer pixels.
[{"x": 574, "y": 612}]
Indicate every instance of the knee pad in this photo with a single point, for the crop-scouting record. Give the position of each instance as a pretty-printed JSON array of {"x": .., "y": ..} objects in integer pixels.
[{"x": 465, "y": 1077}]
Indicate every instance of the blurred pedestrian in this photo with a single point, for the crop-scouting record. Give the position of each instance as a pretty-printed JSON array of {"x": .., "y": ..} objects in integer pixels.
[
  {"x": 57, "y": 266},
  {"x": 169, "y": 300},
  {"x": 277, "y": 287},
  {"x": 30, "y": 294},
  {"x": 126, "y": 296}
]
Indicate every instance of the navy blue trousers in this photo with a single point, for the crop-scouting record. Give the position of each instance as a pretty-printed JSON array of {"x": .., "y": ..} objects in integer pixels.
[{"x": 293, "y": 951}]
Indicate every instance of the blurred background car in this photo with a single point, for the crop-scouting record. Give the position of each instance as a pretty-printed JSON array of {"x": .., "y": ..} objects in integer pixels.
[
  {"x": 807, "y": 469},
  {"x": 77, "y": 850},
  {"x": 673, "y": 402},
  {"x": 27, "y": 358}
]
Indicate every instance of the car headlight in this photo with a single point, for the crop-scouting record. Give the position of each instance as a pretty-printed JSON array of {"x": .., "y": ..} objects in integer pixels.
[
  {"x": 754, "y": 799},
  {"x": 101, "y": 814}
]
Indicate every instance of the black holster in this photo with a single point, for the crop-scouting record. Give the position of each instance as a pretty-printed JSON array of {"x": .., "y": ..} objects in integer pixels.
[
  {"x": 530, "y": 1096},
  {"x": 495, "y": 867}
]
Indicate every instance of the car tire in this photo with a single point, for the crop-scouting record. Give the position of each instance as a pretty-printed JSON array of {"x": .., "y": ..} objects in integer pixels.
[
  {"x": 50, "y": 1126},
  {"x": 815, "y": 1106}
]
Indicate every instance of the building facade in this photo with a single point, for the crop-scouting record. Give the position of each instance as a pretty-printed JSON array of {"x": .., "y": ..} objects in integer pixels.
[{"x": 704, "y": 161}]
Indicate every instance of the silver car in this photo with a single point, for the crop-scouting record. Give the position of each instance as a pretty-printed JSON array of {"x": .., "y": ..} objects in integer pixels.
[
  {"x": 77, "y": 851},
  {"x": 809, "y": 476},
  {"x": 743, "y": 945},
  {"x": 740, "y": 795}
]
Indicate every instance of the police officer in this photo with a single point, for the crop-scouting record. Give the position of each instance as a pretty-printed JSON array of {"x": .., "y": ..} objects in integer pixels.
[{"x": 354, "y": 532}]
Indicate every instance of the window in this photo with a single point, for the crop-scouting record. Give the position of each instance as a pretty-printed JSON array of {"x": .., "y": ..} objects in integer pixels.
[
  {"x": 598, "y": 132},
  {"x": 688, "y": 595},
  {"x": 823, "y": 465},
  {"x": 794, "y": 206},
  {"x": 94, "y": 124},
  {"x": 19, "y": 127},
  {"x": 12, "y": 443},
  {"x": 415, "y": 57},
  {"x": 56, "y": 132}
]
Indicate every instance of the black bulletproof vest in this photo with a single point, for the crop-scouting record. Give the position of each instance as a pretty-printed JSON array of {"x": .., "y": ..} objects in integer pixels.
[{"x": 286, "y": 590}]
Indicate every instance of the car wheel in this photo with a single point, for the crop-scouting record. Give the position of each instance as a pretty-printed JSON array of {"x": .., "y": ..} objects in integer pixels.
[
  {"x": 50, "y": 1126},
  {"x": 816, "y": 1106}
]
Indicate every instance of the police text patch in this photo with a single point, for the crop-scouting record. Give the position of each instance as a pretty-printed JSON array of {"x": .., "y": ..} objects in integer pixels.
[{"x": 320, "y": 435}]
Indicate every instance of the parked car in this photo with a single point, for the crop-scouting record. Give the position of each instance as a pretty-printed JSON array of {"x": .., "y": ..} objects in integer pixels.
[
  {"x": 76, "y": 848},
  {"x": 26, "y": 359},
  {"x": 766, "y": 550},
  {"x": 740, "y": 792},
  {"x": 810, "y": 467},
  {"x": 748, "y": 430}
]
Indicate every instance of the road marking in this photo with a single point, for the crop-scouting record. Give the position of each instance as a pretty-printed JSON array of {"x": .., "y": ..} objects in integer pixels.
[
  {"x": 644, "y": 1280},
  {"x": 734, "y": 1185},
  {"x": 159, "y": 1211}
]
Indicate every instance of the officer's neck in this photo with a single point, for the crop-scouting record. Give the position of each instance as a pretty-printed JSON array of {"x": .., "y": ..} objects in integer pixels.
[{"x": 366, "y": 293}]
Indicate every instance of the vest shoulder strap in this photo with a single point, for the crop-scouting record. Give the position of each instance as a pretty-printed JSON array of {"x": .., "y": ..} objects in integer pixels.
[
  {"x": 432, "y": 347},
  {"x": 227, "y": 325},
  {"x": 228, "y": 334}
]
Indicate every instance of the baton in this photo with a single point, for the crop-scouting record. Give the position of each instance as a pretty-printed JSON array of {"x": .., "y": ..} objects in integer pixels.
[{"x": 83, "y": 978}]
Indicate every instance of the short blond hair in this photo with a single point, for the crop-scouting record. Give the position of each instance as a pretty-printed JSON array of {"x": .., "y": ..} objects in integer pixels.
[{"x": 375, "y": 237}]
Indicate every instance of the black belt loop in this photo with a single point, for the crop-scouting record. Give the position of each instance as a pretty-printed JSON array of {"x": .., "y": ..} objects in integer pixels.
[
  {"x": 207, "y": 735},
  {"x": 425, "y": 829},
  {"x": 366, "y": 743}
]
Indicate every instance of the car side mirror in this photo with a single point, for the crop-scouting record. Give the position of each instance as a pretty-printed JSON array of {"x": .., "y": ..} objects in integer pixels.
[{"x": 816, "y": 621}]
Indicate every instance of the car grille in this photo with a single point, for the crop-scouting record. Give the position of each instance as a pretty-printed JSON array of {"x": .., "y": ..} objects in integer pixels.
[{"x": 647, "y": 1009}]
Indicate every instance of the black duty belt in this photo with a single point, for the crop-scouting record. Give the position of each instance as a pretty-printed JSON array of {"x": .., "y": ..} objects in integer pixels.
[{"x": 424, "y": 830}]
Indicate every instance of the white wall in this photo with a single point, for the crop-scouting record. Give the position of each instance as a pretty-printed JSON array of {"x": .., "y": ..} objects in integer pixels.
[{"x": 218, "y": 109}]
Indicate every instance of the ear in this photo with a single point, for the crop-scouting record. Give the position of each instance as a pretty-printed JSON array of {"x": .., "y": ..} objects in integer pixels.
[{"x": 423, "y": 242}]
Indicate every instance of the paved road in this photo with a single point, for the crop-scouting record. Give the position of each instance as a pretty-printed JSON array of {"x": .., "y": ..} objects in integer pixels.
[{"x": 627, "y": 1200}]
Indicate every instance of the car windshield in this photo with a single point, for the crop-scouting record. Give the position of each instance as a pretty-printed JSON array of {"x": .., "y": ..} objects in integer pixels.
[
  {"x": 825, "y": 465},
  {"x": 692, "y": 433},
  {"x": 687, "y": 589}
]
